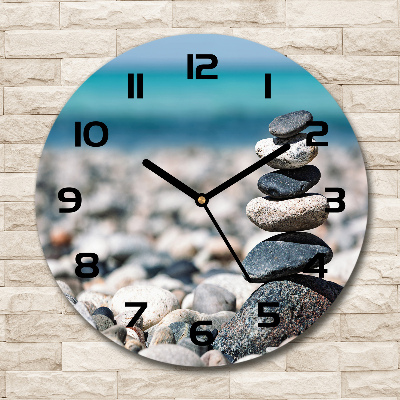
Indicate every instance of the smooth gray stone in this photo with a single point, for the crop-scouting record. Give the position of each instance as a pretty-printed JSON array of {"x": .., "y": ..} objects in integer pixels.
[
  {"x": 104, "y": 311},
  {"x": 210, "y": 299},
  {"x": 102, "y": 322},
  {"x": 173, "y": 354},
  {"x": 290, "y": 124},
  {"x": 299, "y": 307},
  {"x": 187, "y": 343},
  {"x": 288, "y": 183},
  {"x": 285, "y": 254}
]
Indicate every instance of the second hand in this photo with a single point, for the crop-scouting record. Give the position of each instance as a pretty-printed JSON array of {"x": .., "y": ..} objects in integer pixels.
[{"x": 246, "y": 275}]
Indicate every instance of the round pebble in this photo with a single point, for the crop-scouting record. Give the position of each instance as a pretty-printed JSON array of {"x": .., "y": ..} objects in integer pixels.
[
  {"x": 298, "y": 214},
  {"x": 173, "y": 354},
  {"x": 104, "y": 311},
  {"x": 102, "y": 322},
  {"x": 116, "y": 333},
  {"x": 210, "y": 299},
  {"x": 288, "y": 183},
  {"x": 162, "y": 335},
  {"x": 297, "y": 156},
  {"x": 290, "y": 124},
  {"x": 160, "y": 302},
  {"x": 214, "y": 358},
  {"x": 134, "y": 345}
]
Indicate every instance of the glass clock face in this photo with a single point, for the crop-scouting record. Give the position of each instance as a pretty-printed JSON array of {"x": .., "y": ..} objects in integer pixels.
[{"x": 201, "y": 200}]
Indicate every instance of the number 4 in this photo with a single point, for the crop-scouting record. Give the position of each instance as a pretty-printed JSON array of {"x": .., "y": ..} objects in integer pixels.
[{"x": 142, "y": 306}]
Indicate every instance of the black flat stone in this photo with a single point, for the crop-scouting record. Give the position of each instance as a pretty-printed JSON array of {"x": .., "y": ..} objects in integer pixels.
[
  {"x": 285, "y": 254},
  {"x": 289, "y": 183},
  {"x": 290, "y": 124}
]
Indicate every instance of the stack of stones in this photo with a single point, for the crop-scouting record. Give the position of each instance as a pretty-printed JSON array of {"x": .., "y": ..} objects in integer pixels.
[{"x": 277, "y": 261}]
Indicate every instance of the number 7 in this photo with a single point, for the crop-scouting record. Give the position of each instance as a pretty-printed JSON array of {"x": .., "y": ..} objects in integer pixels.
[{"x": 142, "y": 306}]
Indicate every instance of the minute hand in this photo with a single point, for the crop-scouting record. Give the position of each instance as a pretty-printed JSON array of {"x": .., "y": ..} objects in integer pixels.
[{"x": 247, "y": 171}]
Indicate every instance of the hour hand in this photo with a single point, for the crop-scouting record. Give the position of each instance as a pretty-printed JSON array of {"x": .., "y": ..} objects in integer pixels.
[{"x": 170, "y": 179}]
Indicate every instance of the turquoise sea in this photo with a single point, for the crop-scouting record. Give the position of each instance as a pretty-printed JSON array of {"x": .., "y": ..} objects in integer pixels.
[{"x": 175, "y": 111}]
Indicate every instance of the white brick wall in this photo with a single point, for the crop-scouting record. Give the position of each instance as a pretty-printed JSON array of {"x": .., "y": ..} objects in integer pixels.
[{"x": 48, "y": 48}]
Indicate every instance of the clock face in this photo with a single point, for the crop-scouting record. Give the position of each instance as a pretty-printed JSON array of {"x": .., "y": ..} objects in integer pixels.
[{"x": 201, "y": 200}]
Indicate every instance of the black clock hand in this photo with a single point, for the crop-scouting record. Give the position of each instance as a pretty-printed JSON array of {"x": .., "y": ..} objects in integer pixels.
[
  {"x": 170, "y": 179},
  {"x": 246, "y": 275},
  {"x": 247, "y": 171}
]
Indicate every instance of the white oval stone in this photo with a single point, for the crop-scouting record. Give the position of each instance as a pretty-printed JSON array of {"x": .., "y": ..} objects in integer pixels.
[
  {"x": 297, "y": 156},
  {"x": 160, "y": 302},
  {"x": 298, "y": 214}
]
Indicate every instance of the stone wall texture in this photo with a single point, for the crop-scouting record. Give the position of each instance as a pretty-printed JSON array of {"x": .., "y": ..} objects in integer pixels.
[{"x": 48, "y": 48}]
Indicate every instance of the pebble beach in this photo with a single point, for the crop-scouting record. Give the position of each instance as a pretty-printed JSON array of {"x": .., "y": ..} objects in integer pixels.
[{"x": 156, "y": 246}]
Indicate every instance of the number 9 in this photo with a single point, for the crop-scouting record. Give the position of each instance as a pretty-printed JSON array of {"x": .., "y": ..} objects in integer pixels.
[{"x": 77, "y": 200}]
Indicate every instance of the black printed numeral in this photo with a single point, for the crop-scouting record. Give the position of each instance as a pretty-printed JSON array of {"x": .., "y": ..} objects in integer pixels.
[
  {"x": 200, "y": 68},
  {"x": 267, "y": 86},
  {"x": 339, "y": 199},
  {"x": 77, "y": 199},
  {"x": 323, "y": 132},
  {"x": 142, "y": 306},
  {"x": 93, "y": 265},
  {"x": 311, "y": 269},
  {"x": 209, "y": 335},
  {"x": 132, "y": 86},
  {"x": 263, "y": 314},
  {"x": 86, "y": 134}
]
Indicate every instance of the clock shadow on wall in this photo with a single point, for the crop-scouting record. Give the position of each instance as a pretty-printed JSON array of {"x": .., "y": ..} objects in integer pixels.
[{"x": 138, "y": 258}]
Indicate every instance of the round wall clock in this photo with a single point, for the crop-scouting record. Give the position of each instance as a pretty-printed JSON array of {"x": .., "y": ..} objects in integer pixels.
[{"x": 201, "y": 200}]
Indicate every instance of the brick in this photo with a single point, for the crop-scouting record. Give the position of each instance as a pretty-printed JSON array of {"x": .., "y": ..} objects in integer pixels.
[
  {"x": 325, "y": 329},
  {"x": 25, "y": 128},
  {"x": 377, "y": 270},
  {"x": 36, "y": 99},
  {"x": 295, "y": 40},
  {"x": 17, "y": 187},
  {"x": 29, "y": 72},
  {"x": 2, "y": 384},
  {"x": 157, "y": 384},
  {"x": 375, "y": 127},
  {"x": 30, "y": 356},
  {"x": 379, "y": 13},
  {"x": 60, "y": 43},
  {"x": 1, "y": 216},
  {"x": 307, "y": 357},
  {"x": 74, "y": 71},
  {"x": 61, "y": 385},
  {"x": 380, "y": 155},
  {"x": 274, "y": 361},
  {"x": 2, "y": 273},
  {"x": 377, "y": 41},
  {"x": 229, "y": 14},
  {"x": 28, "y": 273},
  {"x": 382, "y": 183},
  {"x": 370, "y": 98},
  {"x": 129, "y": 38},
  {"x": 116, "y": 14},
  {"x": 367, "y": 299},
  {"x": 380, "y": 241},
  {"x": 2, "y": 157},
  {"x": 22, "y": 157},
  {"x": 335, "y": 91},
  {"x": 374, "y": 356},
  {"x": 20, "y": 245},
  {"x": 2, "y": 328},
  {"x": 370, "y": 327},
  {"x": 1, "y": 101},
  {"x": 371, "y": 383},
  {"x": 50, "y": 328},
  {"x": 29, "y": 16},
  {"x": 312, "y": 385},
  {"x": 18, "y": 300},
  {"x": 350, "y": 69},
  {"x": 384, "y": 212},
  {"x": 1, "y": 44},
  {"x": 19, "y": 217},
  {"x": 101, "y": 356}
]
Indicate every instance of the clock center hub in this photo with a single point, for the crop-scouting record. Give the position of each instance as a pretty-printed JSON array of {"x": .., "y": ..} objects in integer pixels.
[{"x": 202, "y": 200}]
